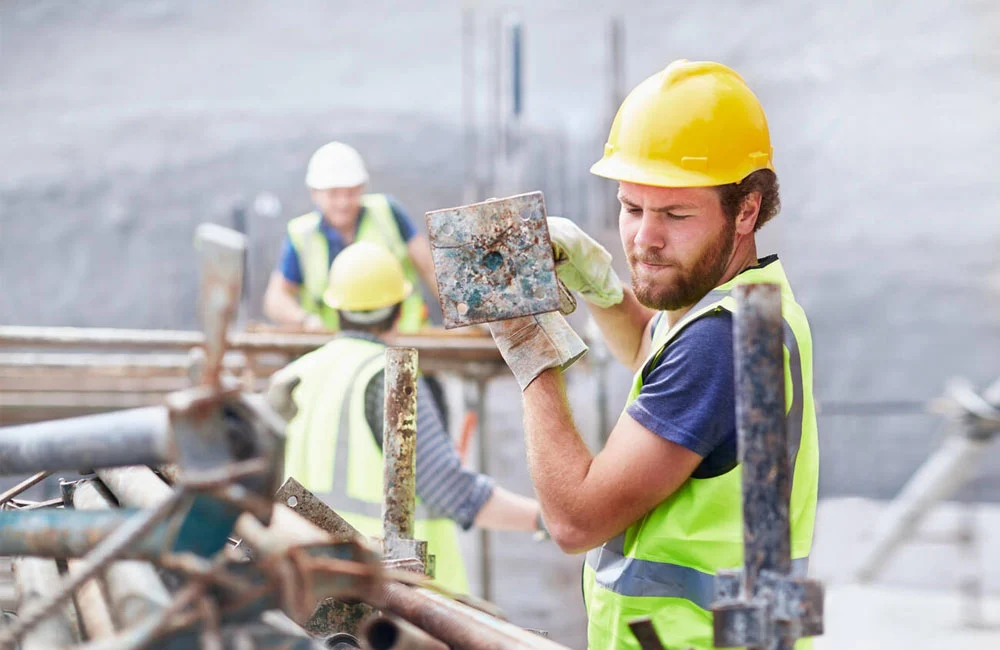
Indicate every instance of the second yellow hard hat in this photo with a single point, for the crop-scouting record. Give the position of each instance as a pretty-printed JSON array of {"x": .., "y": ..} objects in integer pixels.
[
  {"x": 366, "y": 276},
  {"x": 693, "y": 124}
]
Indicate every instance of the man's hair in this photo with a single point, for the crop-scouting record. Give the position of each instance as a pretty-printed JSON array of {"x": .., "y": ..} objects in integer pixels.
[
  {"x": 353, "y": 320},
  {"x": 764, "y": 181}
]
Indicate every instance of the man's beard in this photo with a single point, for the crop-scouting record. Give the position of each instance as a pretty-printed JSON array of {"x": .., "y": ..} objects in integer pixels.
[{"x": 690, "y": 285}]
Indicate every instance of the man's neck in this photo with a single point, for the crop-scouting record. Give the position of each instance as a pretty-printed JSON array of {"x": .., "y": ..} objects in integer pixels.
[{"x": 743, "y": 257}]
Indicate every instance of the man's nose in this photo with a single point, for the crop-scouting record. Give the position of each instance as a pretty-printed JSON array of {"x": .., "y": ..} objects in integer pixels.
[{"x": 650, "y": 234}]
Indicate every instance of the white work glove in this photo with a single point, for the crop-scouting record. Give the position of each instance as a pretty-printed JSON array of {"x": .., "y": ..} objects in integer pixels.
[
  {"x": 532, "y": 344},
  {"x": 279, "y": 392},
  {"x": 584, "y": 265}
]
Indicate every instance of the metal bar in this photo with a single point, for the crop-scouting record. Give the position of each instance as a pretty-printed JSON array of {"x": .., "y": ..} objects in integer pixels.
[
  {"x": 393, "y": 633},
  {"x": 36, "y": 578},
  {"x": 763, "y": 441},
  {"x": 95, "y": 614},
  {"x": 645, "y": 633},
  {"x": 222, "y": 252},
  {"x": 63, "y": 534},
  {"x": 134, "y": 587},
  {"x": 27, "y": 483},
  {"x": 482, "y": 449},
  {"x": 313, "y": 509},
  {"x": 458, "y": 625},
  {"x": 399, "y": 449},
  {"x": 133, "y": 437}
]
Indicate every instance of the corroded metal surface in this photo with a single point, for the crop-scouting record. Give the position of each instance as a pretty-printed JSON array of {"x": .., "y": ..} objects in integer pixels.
[
  {"x": 493, "y": 260},
  {"x": 399, "y": 447},
  {"x": 310, "y": 507},
  {"x": 763, "y": 606}
]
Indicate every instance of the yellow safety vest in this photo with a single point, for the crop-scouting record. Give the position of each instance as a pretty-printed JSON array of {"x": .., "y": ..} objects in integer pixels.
[
  {"x": 377, "y": 225},
  {"x": 664, "y": 564},
  {"x": 331, "y": 450}
]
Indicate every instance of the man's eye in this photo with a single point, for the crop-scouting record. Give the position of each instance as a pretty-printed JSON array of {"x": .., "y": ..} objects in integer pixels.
[
  {"x": 679, "y": 217},
  {"x": 634, "y": 211}
]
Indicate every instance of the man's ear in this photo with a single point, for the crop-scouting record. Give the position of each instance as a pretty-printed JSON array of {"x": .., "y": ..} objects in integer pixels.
[{"x": 746, "y": 220}]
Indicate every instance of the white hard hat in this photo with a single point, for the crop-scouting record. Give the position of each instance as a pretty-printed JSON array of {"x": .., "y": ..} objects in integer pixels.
[{"x": 336, "y": 164}]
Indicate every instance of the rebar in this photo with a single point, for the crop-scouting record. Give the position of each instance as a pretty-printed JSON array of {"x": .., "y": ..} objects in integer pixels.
[{"x": 27, "y": 483}]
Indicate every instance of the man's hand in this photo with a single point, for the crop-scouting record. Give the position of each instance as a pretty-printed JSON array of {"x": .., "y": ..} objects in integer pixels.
[
  {"x": 279, "y": 392},
  {"x": 584, "y": 265},
  {"x": 531, "y": 344},
  {"x": 313, "y": 323}
]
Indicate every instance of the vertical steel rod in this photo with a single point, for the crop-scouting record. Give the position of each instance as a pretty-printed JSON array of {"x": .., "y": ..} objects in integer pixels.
[
  {"x": 399, "y": 447},
  {"x": 763, "y": 440},
  {"x": 95, "y": 613}
]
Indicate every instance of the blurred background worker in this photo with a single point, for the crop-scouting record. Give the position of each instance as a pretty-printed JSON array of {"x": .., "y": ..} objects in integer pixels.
[
  {"x": 334, "y": 443},
  {"x": 336, "y": 178}
]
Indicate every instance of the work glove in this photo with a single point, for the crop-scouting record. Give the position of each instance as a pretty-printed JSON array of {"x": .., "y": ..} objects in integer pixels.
[
  {"x": 279, "y": 392},
  {"x": 532, "y": 344},
  {"x": 583, "y": 265}
]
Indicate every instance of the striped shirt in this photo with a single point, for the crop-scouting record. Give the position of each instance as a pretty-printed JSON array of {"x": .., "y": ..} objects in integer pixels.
[{"x": 445, "y": 487}]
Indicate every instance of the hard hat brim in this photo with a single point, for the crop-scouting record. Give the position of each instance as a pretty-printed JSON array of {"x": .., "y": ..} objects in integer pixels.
[
  {"x": 373, "y": 303},
  {"x": 663, "y": 175}
]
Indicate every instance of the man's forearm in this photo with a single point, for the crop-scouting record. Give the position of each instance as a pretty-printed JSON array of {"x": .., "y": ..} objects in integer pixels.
[
  {"x": 624, "y": 328},
  {"x": 558, "y": 459},
  {"x": 508, "y": 511}
]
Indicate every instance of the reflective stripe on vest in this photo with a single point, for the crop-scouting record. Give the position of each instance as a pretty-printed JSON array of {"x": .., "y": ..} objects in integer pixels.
[{"x": 629, "y": 576}]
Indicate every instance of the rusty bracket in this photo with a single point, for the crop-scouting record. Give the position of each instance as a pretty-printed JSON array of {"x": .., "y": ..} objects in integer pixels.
[
  {"x": 493, "y": 260},
  {"x": 795, "y": 604}
]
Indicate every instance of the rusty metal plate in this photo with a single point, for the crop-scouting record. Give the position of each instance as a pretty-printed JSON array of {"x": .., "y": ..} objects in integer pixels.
[{"x": 493, "y": 260}]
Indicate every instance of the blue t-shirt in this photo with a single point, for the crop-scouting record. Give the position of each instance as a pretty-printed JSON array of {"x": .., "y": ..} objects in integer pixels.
[
  {"x": 288, "y": 260},
  {"x": 689, "y": 396}
]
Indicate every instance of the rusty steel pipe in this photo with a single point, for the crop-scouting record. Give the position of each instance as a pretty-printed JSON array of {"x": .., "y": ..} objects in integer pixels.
[
  {"x": 459, "y": 626},
  {"x": 399, "y": 450},
  {"x": 134, "y": 437},
  {"x": 393, "y": 633}
]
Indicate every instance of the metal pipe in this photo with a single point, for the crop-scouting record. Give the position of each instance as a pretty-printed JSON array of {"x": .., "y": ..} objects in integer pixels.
[
  {"x": 36, "y": 578},
  {"x": 399, "y": 449},
  {"x": 763, "y": 440},
  {"x": 482, "y": 451},
  {"x": 95, "y": 614},
  {"x": 134, "y": 587},
  {"x": 63, "y": 534},
  {"x": 458, "y": 625},
  {"x": 392, "y": 633},
  {"x": 133, "y": 437},
  {"x": 136, "y": 486}
]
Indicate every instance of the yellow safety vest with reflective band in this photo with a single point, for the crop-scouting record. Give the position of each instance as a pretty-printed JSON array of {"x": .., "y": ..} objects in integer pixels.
[
  {"x": 377, "y": 225},
  {"x": 664, "y": 564},
  {"x": 331, "y": 450}
]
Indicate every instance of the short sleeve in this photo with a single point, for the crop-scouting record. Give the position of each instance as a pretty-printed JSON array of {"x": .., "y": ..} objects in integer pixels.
[
  {"x": 688, "y": 397},
  {"x": 288, "y": 262}
]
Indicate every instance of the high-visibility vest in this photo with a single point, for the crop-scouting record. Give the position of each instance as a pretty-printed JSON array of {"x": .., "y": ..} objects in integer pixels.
[
  {"x": 331, "y": 450},
  {"x": 664, "y": 564},
  {"x": 377, "y": 225}
]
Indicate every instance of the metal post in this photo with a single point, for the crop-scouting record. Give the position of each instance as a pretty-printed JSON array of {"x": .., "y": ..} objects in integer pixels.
[
  {"x": 399, "y": 449},
  {"x": 763, "y": 607}
]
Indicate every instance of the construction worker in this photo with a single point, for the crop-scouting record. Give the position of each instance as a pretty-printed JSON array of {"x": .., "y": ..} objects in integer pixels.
[
  {"x": 658, "y": 510},
  {"x": 334, "y": 442},
  {"x": 336, "y": 178}
]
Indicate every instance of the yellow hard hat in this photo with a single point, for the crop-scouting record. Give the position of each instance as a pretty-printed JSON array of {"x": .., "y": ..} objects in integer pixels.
[
  {"x": 694, "y": 124},
  {"x": 366, "y": 276}
]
